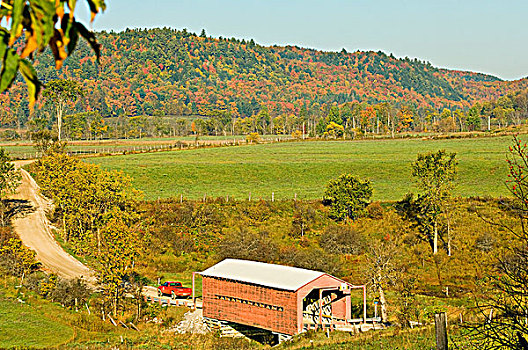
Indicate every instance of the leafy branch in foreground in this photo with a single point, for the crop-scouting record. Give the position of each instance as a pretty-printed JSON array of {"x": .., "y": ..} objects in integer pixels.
[
  {"x": 40, "y": 24},
  {"x": 505, "y": 314}
]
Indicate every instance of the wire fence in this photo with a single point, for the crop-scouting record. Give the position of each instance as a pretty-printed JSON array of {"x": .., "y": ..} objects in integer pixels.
[{"x": 102, "y": 150}]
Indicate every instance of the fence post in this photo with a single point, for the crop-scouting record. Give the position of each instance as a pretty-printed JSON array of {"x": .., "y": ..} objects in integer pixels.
[
  {"x": 193, "y": 288},
  {"x": 441, "y": 331}
]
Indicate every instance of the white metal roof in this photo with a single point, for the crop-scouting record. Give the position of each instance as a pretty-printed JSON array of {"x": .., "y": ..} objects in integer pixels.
[{"x": 269, "y": 275}]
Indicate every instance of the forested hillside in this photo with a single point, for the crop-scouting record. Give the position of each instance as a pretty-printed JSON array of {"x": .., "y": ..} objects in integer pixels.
[{"x": 170, "y": 72}]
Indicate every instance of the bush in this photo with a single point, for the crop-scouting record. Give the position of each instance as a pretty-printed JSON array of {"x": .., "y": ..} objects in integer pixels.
[
  {"x": 71, "y": 292},
  {"x": 244, "y": 244},
  {"x": 10, "y": 135},
  {"x": 312, "y": 258},
  {"x": 16, "y": 259},
  {"x": 340, "y": 239},
  {"x": 375, "y": 210},
  {"x": 34, "y": 280},
  {"x": 253, "y": 138},
  {"x": 485, "y": 242}
]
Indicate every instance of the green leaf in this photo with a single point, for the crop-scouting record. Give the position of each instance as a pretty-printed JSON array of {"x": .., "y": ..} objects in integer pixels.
[
  {"x": 4, "y": 38},
  {"x": 30, "y": 76},
  {"x": 43, "y": 21},
  {"x": 71, "y": 5},
  {"x": 18, "y": 9},
  {"x": 9, "y": 69}
]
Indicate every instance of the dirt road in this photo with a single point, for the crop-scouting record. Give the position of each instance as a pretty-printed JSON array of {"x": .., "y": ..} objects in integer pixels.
[{"x": 34, "y": 230}]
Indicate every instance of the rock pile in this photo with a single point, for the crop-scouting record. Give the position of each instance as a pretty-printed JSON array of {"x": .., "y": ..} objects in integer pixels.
[{"x": 192, "y": 322}]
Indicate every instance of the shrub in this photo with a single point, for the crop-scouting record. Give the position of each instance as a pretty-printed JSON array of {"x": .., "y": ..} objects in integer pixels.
[
  {"x": 375, "y": 210},
  {"x": 244, "y": 244},
  {"x": 485, "y": 242},
  {"x": 71, "y": 292},
  {"x": 312, "y": 258},
  {"x": 340, "y": 239},
  {"x": 10, "y": 135},
  {"x": 253, "y": 138},
  {"x": 16, "y": 259}
]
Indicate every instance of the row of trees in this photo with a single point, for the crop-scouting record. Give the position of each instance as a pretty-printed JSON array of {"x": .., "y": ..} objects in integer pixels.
[
  {"x": 338, "y": 123},
  {"x": 348, "y": 120},
  {"x": 98, "y": 215},
  {"x": 434, "y": 172},
  {"x": 163, "y": 72}
]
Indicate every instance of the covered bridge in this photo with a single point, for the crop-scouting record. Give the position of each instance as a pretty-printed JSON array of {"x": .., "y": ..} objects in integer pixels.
[{"x": 281, "y": 299}]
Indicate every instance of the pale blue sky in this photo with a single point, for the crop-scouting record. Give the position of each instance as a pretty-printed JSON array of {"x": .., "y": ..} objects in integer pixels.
[{"x": 488, "y": 36}]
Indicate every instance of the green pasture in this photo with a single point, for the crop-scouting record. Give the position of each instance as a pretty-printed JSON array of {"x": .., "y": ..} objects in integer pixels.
[
  {"x": 25, "y": 150},
  {"x": 22, "y": 326},
  {"x": 303, "y": 168}
]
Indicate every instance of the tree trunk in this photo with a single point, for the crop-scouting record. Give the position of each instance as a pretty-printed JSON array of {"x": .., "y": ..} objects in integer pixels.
[
  {"x": 115, "y": 302},
  {"x": 99, "y": 240},
  {"x": 59, "y": 119},
  {"x": 383, "y": 304},
  {"x": 435, "y": 237},
  {"x": 2, "y": 212},
  {"x": 448, "y": 234}
]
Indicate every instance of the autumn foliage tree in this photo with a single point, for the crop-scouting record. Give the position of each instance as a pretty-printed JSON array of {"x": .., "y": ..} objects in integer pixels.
[
  {"x": 121, "y": 244},
  {"x": 9, "y": 181},
  {"x": 98, "y": 212},
  {"x": 83, "y": 195},
  {"x": 16, "y": 259},
  {"x": 61, "y": 92},
  {"x": 435, "y": 173}
]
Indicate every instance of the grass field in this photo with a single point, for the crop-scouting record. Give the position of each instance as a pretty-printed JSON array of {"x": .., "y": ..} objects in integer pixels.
[
  {"x": 21, "y": 326},
  {"x": 24, "y": 149},
  {"x": 303, "y": 168}
]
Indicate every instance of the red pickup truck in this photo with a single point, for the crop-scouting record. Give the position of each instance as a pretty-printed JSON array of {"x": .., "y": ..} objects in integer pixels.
[{"x": 175, "y": 289}]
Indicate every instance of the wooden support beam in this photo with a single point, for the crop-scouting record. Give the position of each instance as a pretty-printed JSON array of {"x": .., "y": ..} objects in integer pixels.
[{"x": 321, "y": 308}]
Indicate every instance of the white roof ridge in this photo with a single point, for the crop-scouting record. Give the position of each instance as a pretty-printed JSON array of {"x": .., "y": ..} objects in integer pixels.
[{"x": 265, "y": 274}]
